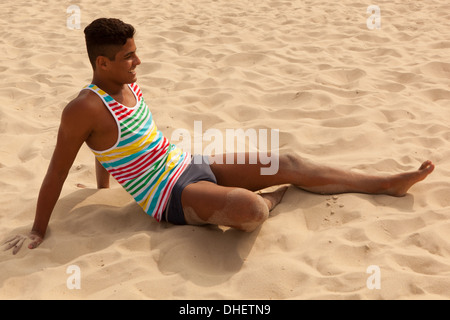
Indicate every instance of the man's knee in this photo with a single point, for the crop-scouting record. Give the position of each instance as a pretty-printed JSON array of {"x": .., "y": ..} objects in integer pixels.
[{"x": 249, "y": 209}]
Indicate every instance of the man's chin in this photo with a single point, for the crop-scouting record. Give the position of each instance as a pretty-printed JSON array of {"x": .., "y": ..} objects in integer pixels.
[{"x": 131, "y": 80}]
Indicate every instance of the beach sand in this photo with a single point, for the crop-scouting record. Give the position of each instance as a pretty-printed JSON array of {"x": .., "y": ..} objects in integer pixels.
[{"x": 371, "y": 100}]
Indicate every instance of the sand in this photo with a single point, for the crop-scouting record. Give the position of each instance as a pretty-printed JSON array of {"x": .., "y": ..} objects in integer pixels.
[{"x": 371, "y": 100}]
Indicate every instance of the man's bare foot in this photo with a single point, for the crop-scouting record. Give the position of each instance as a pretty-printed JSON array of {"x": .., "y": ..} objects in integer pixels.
[
  {"x": 401, "y": 183},
  {"x": 273, "y": 198}
]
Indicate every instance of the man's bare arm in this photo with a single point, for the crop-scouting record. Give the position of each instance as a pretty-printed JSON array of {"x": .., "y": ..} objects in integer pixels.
[
  {"x": 102, "y": 175},
  {"x": 76, "y": 126},
  {"x": 74, "y": 129}
]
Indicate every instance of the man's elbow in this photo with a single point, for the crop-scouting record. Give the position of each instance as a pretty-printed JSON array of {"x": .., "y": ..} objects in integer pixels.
[
  {"x": 103, "y": 185},
  {"x": 103, "y": 180}
]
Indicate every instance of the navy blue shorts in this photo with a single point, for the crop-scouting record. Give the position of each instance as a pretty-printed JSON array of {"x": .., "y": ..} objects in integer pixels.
[{"x": 198, "y": 170}]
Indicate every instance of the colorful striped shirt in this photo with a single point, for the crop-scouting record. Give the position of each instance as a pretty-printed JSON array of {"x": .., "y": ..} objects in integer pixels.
[{"x": 142, "y": 160}]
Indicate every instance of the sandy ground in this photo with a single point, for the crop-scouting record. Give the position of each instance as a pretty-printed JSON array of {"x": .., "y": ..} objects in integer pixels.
[{"x": 340, "y": 93}]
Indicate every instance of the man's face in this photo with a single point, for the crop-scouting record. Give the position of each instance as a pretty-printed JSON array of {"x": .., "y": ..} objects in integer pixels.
[{"x": 123, "y": 68}]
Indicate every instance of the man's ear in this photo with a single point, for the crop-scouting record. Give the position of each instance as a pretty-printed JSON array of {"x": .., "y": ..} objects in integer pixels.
[{"x": 102, "y": 62}]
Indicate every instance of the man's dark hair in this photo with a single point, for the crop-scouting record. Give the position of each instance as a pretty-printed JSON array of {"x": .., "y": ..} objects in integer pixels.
[{"x": 105, "y": 37}]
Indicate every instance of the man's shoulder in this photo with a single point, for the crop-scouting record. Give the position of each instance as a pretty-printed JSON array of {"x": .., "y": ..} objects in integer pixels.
[{"x": 86, "y": 102}]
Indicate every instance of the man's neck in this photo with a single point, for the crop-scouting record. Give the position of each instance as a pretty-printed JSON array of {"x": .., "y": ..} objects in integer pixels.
[{"x": 111, "y": 88}]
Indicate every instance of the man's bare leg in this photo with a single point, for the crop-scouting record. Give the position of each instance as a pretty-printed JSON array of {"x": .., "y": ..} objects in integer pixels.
[
  {"x": 317, "y": 178},
  {"x": 207, "y": 203},
  {"x": 232, "y": 203}
]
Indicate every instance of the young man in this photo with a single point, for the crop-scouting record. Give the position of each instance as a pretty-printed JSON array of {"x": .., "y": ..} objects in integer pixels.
[{"x": 112, "y": 118}]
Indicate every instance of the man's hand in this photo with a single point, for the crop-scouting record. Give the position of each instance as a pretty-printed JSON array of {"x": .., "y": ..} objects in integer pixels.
[{"x": 17, "y": 241}]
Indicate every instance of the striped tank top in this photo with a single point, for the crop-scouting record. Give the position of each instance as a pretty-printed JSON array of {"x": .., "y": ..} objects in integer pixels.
[{"x": 142, "y": 160}]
